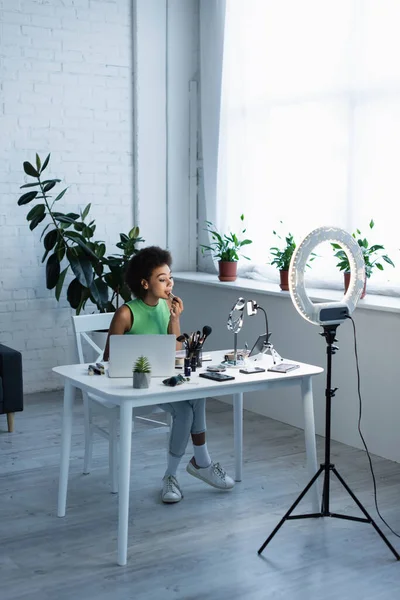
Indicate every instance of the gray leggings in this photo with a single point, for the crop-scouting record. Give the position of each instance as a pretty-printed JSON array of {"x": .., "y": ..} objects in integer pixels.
[{"x": 188, "y": 417}]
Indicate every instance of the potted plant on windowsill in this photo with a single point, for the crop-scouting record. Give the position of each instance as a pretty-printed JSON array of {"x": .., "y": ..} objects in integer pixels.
[
  {"x": 373, "y": 255},
  {"x": 226, "y": 248},
  {"x": 282, "y": 257},
  {"x": 141, "y": 373},
  {"x": 69, "y": 246}
]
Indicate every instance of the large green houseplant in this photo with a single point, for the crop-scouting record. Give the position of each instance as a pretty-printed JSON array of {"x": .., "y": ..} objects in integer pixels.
[
  {"x": 69, "y": 246},
  {"x": 373, "y": 256},
  {"x": 226, "y": 248}
]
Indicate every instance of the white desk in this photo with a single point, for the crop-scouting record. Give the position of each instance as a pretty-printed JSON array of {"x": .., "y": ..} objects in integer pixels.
[{"x": 121, "y": 393}]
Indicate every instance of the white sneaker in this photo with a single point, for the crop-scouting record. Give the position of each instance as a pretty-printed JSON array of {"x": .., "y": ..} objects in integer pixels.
[
  {"x": 214, "y": 475},
  {"x": 171, "y": 492}
]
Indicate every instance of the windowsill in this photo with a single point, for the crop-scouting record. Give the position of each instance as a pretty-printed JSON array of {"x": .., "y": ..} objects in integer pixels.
[{"x": 370, "y": 302}]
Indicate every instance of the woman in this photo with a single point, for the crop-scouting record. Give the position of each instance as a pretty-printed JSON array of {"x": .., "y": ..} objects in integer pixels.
[{"x": 154, "y": 312}]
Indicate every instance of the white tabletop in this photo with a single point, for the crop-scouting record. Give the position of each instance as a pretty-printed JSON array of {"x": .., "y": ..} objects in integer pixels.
[{"x": 117, "y": 390}]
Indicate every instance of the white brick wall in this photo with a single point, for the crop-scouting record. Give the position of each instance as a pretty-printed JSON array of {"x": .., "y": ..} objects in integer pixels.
[{"x": 65, "y": 88}]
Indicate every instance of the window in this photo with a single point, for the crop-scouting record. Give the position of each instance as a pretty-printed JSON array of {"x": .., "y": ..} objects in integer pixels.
[{"x": 310, "y": 123}]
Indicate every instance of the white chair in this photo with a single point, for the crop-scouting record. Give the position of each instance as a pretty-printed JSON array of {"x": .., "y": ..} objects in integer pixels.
[{"x": 84, "y": 325}]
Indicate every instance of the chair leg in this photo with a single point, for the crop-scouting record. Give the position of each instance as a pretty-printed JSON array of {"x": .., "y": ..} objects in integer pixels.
[
  {"x": 87, "y": 412},
  {"x": 113, "y": 453},
  {"x": 10, "y": 422}
]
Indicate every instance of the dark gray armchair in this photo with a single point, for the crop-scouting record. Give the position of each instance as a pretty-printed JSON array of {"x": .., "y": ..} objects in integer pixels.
[{"x": 11, "y": 392}]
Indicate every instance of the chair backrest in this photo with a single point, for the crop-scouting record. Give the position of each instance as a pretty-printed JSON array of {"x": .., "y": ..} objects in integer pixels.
[{"x": 85, "y": 324}]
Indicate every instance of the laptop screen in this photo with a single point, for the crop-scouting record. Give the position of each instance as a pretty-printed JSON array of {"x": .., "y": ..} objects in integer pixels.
[{"x": 126, "y": 349}]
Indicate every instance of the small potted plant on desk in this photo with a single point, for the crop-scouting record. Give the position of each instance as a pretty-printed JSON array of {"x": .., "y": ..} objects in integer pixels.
[
  {"x": 226, "y": 248},
  {"x": 141, "y": 373},
  {"x": 282, "y": 257},
  {"x": 372, "y": 257}
]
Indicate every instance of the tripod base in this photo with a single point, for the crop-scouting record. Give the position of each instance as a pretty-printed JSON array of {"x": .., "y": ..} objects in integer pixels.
[{"x": 326, "y": 469}]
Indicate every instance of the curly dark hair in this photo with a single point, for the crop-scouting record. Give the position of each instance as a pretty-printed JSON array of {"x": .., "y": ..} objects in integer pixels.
[{"x": 141, "y": 266}]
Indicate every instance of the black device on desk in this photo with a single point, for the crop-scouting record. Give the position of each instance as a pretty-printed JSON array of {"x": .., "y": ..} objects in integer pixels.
[{"x": 216, "y": 376}]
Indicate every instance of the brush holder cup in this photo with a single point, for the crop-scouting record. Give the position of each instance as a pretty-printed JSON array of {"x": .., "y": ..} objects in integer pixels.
[{"x": 196, "y": 360}]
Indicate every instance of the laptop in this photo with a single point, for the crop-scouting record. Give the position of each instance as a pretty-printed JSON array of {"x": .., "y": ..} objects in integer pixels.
[{"x": 126, "y": 349}]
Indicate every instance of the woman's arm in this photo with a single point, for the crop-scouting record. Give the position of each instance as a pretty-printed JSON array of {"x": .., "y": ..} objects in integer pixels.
[
  {"x": 121, "y": 323},
  {"x": 174, "y": 324}
]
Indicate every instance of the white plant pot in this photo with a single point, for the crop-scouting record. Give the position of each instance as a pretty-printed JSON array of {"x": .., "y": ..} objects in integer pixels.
[{"x": 141, "y": 380}]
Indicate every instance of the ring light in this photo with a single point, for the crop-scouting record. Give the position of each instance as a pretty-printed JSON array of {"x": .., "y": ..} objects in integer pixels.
[
  {"x": 329, "y": 315},
  {"x": 326, "y": 313}
]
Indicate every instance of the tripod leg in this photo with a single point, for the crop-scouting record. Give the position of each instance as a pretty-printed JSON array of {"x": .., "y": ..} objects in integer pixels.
[
  {"x": 291, "y": 509},
  {"x": 368, "y": 516}
]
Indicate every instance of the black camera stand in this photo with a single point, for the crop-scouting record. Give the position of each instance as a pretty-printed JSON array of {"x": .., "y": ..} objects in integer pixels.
[{"x": 327, "y": 467}]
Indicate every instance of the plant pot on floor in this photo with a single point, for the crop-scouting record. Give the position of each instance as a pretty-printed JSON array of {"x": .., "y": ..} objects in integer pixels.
[
  {"x": 141, "y": 380},
  {"x": 284, "y": 280},
  {"x": 227, "y": 270},
  {"x": 347, "y": 283}
]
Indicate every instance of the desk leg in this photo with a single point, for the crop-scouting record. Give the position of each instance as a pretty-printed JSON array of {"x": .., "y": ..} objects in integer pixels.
[
  {"x": 125, "y": 413},
  {"x": 238, "y": 434},
  {"x": 66, "y": 432},
  {"x": 309, "y": 433}
]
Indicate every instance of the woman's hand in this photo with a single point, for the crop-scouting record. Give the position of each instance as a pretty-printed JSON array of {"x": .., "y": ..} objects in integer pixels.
[{"x": 176, "y": 308}]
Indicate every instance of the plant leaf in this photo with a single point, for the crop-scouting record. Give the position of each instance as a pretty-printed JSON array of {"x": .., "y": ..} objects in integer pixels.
[
  {"x": 50, "y": 239},
  {"x": 60, "y": 283},
  {"x": 28, "y": 185},
  {"x": 134, "y": 233},
  {"x": 388, "y": 260},
  {"x": 76, "y": 237},
  {"x": 52, "y": 271},
  {"x": 100, "y": 250},
  {"x": 99, "y": 291},
  {"x": 60, "y": 195},
  {"x": 64, "y": 219},
  {"x": 38, "y": 164},
  {"x": 35, "y": 221},
  {"x": 26, "y": 198},
  {"x": 30, "y": 169},
  {"x": 49, "y": 186},
  {"x": 88, "y": 231},
  {"x": 86, "y": 212},
  {"x": 74, "y": 293},
  {"x": 46, "y": 162},
  {"x": 36, "y": 211},
  {"x": 82, "y": 268}
]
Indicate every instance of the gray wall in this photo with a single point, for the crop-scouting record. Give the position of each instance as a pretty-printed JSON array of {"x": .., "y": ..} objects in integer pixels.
[{"x": 377, "y": 337}]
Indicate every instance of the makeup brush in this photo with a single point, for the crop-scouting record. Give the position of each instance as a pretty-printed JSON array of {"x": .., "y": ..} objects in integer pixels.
[{"x": 206, "y": 332}]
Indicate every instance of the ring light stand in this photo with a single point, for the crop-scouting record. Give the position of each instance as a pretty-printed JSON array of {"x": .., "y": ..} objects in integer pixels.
[{"x": 329, "y": 315}]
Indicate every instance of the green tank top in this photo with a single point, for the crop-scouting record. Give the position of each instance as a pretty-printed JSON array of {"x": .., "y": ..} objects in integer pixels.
[{"x": 149, "y": 319}]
